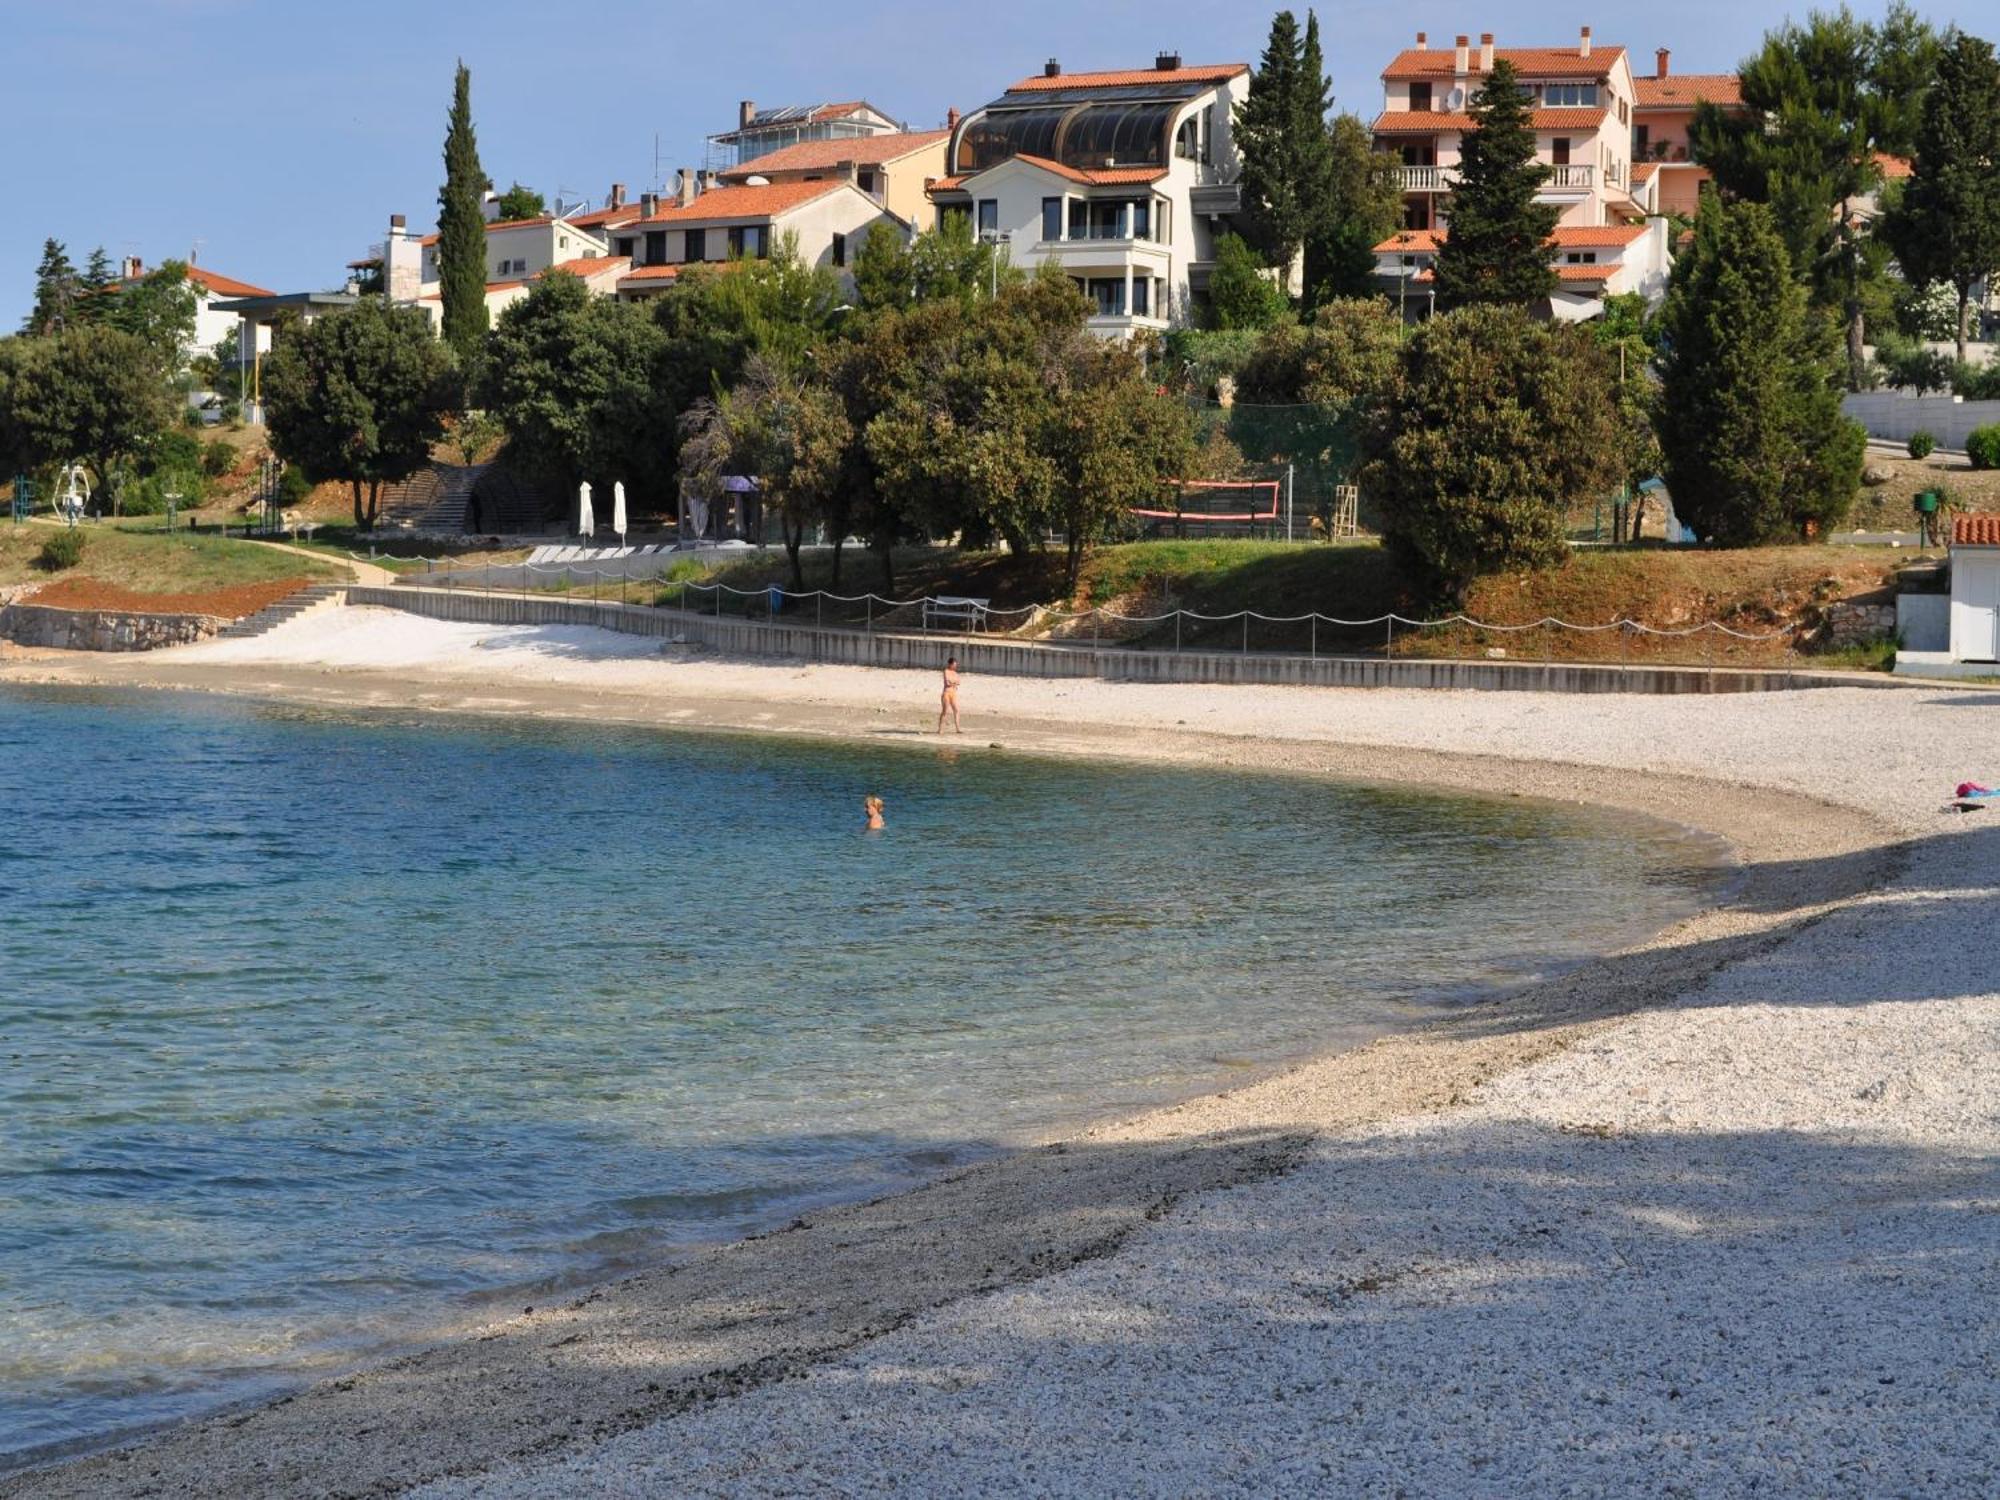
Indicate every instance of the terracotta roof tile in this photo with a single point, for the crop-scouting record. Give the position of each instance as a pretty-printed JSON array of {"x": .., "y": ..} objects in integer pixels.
[
  {"x": 1565, "y": 237},
  {"x": 1585, "y": 273},
  {"x": 737, "y": 201},
  {"x": 1975, "y": 531},
  {"x": 591, "y": 265},
  {"x": 1682, "y": 90},
  {"x": 866, "y": 151},
  {"x": 1529, "y": 62},
  {"x": 605, "y": 218},
  {"x": 1411, "y": 242},
  {"x": 1642, "y": 171},
  {"x": 1130, "y": 78},
  {"x": 225, "y": 286},
  {"x": 1429, "y": 122},
  {"x": 1101, "y": 177},
  {"x": 1894, "y": 168}
]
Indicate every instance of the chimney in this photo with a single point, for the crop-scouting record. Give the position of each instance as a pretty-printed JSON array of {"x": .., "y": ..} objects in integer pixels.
[
  {"x": 1423, "y": 41},
  {"x": 489, "y": 205},
  {"x": 649, "y": 205},
  {"x": 687, "y": 187},
  {"x": 1052, "y": 69},
  {"x": 617, "y": 198},
  {"x": 745, "y": 113},
  {"x": 134, "y": 268},
  {"x": 1458, "y": 56},
  {"x": 1486, "y": 52},
  {"x": 1660, "y": 59},
  {"x": 1583, "y": 45},
  {"x": 951, "y": 118},
  {"x": 402, "y": 262},
  {"x": 1167, "y": 62}
]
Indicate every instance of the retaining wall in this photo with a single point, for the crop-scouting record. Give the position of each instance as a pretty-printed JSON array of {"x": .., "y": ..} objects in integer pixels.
[
  {"x": 1895, "y": 418},
  {"x": 102, "y": 629},
  {"x": 1035, "y": 659}
]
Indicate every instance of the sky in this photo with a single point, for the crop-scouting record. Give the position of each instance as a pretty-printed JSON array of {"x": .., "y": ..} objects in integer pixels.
[{"x": 272, "y": 139}]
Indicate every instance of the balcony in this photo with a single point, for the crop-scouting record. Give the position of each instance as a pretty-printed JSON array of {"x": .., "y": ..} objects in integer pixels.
[
  {"x": 1429, "y": 179},
  {"x": 1570, "y": 177}
]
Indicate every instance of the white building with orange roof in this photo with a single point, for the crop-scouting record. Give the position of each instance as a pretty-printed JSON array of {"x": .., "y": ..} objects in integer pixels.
[
  {"x": 1591, "y": 262},
  {"x": 1662, "y": 111},
  {"x": 1121, "y": 178},
  {"x": 1582, "y": 118},
  {"x": 213, "y": 322},
  {"x": 826, "y": 218},
  {"x": 892, "y": 168},
  {"x": 759, "y": 132}
]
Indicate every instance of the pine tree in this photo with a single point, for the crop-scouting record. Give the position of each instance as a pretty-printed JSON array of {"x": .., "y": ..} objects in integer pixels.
[
  {"x": 1364, "y": 204},
  {"x": 461, "y": 249},
  {"x": 1496, "y": 248},
  {"x": 1755, "y": 447},
  {"x": 97, "y": 278},
  {"x": 1947, "y": 227},
  {"x": 55, "y": 290}
]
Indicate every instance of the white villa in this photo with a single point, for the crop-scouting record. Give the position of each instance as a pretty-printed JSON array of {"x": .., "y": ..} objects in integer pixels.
[
  {"x": 214, "y": 319},
  {"x": 1591, "y": 263},
  {"x": 1123, "y": 179}
]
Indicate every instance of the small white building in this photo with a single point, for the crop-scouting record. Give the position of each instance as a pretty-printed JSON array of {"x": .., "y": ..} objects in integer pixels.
[
  {"x": 213, "y": 321},
  {"x": 1591, "y": 263},
  {"x": 1122, "y": 179},
  {"x": 827, "y": 218},
  {"x": 1975, "y": 589}
]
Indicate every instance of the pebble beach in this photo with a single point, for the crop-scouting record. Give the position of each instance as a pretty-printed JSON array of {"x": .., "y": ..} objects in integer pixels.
[{"x": 1716, "y": 1216}]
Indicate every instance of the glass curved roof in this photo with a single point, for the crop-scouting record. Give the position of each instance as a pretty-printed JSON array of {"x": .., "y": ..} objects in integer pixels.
[{"x": 1088, "y": 136}]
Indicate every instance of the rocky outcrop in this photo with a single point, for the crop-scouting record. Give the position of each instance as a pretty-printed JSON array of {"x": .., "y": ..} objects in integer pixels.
[{"x": 102, "y": 629}]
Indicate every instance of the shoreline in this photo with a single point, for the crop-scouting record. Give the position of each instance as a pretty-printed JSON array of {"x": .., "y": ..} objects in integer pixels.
[{"x": 731, "y": 1318}]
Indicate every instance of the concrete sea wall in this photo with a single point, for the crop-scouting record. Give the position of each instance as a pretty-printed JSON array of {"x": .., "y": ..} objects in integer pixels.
[{"x": 1035, "y": 659}]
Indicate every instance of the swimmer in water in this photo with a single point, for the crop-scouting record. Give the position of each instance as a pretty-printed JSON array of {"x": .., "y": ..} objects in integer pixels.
[
  {"x": 948, "y": 706},
  {"x": 873, "y": 807}
]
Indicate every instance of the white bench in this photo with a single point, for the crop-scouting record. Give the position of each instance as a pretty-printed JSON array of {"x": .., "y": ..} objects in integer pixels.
[{"x": 952, "y": 607}]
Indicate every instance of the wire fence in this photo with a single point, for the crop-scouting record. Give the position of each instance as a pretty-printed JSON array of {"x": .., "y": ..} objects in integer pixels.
[{"x": 1308, "y": 633}]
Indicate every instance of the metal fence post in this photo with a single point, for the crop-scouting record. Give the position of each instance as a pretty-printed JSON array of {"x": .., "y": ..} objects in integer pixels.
[
  {"x": 1177, "y": 632},
  {"x": 870, "y": 625},
  {"x": 1246, "y": 632},
  {"x": 1389, "y": 646},
  {"x": 1314, "y": 647}
]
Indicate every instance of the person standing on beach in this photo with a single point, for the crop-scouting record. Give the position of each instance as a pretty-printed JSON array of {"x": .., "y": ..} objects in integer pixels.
[{"x": 948, "y": 706}]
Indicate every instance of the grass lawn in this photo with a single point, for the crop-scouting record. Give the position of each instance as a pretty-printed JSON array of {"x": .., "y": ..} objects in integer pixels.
[
  {"x": 151, "y": 563},
  {"x": 1754, "y": 591}
]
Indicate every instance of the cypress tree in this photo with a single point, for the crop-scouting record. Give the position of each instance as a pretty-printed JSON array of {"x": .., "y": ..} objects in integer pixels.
[
  {"x": 1267, "y": 132},
  {"x": 55, "y": 290},
  {"x": 1755, "y": 447},
  {"x": 1947, "y": 227},
  {"x": 461, "y": 247},
  {"x": 1496, "y": 248}
]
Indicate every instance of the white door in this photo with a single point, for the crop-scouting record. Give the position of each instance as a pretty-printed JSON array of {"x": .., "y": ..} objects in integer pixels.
[{"x": 1975, "y": 605}]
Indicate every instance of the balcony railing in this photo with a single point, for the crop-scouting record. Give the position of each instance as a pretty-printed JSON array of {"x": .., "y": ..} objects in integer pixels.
[
  {"x": 1429, "y": 179},
  {"x": 1571, "y": 176}
]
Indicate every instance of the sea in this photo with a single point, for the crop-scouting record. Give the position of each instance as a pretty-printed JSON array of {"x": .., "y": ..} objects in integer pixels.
[{"x": 321, "y": 1032}]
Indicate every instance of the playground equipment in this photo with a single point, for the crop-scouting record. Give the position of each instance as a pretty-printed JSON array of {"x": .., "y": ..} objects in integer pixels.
[
  {"x": 24, "y": 497},
  {"x": 72, "y": 493}
]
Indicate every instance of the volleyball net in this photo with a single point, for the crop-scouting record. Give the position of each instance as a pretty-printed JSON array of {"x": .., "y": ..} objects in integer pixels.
[{"x": 1215, "y": 501}]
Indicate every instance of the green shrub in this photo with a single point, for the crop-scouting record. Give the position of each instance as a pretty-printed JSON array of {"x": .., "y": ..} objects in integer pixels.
[
  {"x": 60, "y": 551},
  {"x": 1982, "y": 446},
  {"x": 1970, "y": 382},
  {"x": 293, "y": 487},
  {"x": 148, "y": 496},
  {"x": 1921, "y": 444},
  {"x": 218, "y": 459},
  {"x": 174, "y": 452}
]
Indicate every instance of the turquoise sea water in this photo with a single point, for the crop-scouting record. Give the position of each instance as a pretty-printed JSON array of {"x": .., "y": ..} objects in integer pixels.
[{"x": 316, "y": 1028}]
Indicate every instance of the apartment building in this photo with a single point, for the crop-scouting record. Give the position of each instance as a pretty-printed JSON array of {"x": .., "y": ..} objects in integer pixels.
[
  {"x": 1663, "y": 109},
  {"x": 1591, "y": 262},
  {"x": 1582, "y": 118},
  {"x": 1121, "y": 178},
  {"x": 894, "y": 169},
  {"x": 827, "y": 218},
  {"x": 759, "y": 132}
]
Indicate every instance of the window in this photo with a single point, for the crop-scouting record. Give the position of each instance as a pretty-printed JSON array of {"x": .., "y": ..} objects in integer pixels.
[
  {"x": 1642, "y": 142},
  {"x": 697, "y": 245},
  {"x": 625, "y": 245},
  {"x": 1581, "y": 257},
  {"x": 734, "y": 240},
  {"x": 1079, "y": 219},
  {"x": 1569, "y": 95},
  {"x": 989, "y": 216},
  {"x": 1108, "y": 292},
  {"x": 865, "y": 181},
  {"x": 1052, "y": 219},
  {"x": 1559, "y": 150},
  {"x": 656, "y": 246},
  {"x": 1165, "y": 218},
  {"x": 1420, "y": 97},
  {"x": 1187, "y": 140},
  {"x": 840, "y": 249},
  {"x": 1142, "y": 219},
  {"x": 1142, "y": 298}
]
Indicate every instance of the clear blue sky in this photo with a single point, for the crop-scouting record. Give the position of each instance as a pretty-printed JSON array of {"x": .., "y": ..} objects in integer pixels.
[{"x": 281, "y": 135}]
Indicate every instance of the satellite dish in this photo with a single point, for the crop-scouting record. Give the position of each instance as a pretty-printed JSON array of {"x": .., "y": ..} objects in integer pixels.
[{"x": 1456, "y": 98}]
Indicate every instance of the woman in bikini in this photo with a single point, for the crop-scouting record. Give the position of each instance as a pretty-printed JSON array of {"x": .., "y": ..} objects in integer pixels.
[
  {"x": 948, "y": 706},
  {"x": 873, "y": 807}
]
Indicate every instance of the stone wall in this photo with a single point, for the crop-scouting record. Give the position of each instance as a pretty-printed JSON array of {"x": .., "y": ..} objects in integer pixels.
[{"x": 102, "y": 629}]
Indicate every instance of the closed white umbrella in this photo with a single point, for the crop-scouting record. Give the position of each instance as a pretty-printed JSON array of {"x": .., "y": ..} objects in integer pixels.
[
  {"x": 586, "y": 523},
  {"x": 618, "y": 510}
]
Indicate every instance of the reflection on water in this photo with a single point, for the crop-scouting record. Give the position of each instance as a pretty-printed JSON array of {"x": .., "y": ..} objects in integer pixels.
[{"x": 315, "y": 1026}]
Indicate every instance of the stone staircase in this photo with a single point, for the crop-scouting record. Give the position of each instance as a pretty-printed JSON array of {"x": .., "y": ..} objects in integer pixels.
[
  {"x": 431, "y": 500},
  {"x": 307, "y": 601}
]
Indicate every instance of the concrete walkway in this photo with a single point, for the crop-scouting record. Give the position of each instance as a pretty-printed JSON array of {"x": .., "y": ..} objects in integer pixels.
[{"x": 367, "y": 574}]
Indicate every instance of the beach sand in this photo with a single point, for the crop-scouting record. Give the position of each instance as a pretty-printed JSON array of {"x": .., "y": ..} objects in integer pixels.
[{"x": 1719, "y": 1214}]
